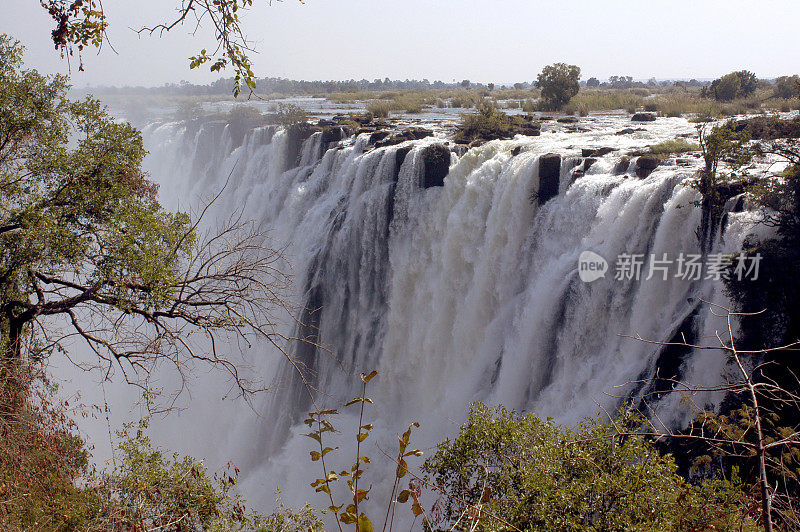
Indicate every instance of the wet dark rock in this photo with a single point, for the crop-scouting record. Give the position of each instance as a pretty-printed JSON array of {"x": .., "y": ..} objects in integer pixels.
[
  {"x": 333, "y": 134},
  {"x": 549, "y": 173},
  {"x": 297, "y": 133},
  {"x": 412, "y": 133},
  {"x": 378, "y": 136},
  {"x": 646, "y": 164},
  {"x": 577, "y": 174},
  {"x": 596, "y": 152},
  {"x": 588, "y": 162},
  {"x": 436, "y": 165},
  {"x": 683, "y": 162},
  {"x": 399, "y": 158},
  {"x": 622, "y": 166},
  {"x": 628, "y": 131},
  {"x": 567, "y": 120},
  {"x": 459, "y": 149},
  {"x": 516, "y": 151},
  {"x": 643, "y": 117}
]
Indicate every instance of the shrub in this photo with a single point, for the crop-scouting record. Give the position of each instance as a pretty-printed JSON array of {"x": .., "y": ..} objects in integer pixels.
[
  {"x": 537, "y": 475},
  {"x": 787, "y": 87},
  {"x": 529, "y": 106},
  {"x": 487, "y": 122},
  {"x": 290, "y": 115},
  {"x": 559, "y": 83},
  {"x": 669, "y": 147},
  {"x": 379, "y": 108}
]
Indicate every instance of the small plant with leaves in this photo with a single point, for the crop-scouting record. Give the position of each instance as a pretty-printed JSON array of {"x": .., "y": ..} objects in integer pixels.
[{"x": 352, "y": 513}]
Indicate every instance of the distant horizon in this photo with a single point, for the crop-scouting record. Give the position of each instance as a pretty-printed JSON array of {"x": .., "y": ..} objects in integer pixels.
[{"x": 498, "y": 84}]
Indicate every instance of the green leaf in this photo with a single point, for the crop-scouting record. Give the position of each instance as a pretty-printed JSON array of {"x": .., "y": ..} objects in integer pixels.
[
  {"x": 315, "y": 455},
  {"x": 326, "y": 450},
  {"x": 364, "y": 524},
  {"x": 402, "y": 497},
  {"x": 362, "y": 436},
  {"x": 402, "y": 469}
]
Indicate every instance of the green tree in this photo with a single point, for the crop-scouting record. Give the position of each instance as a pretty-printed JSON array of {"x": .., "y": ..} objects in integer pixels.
[
  {"x": 87, "y": 252},
  {"x": 538, "y": 475},
  {"x": 740, "y": 84},
  {"x": 721, "y": 146},
  {"x": 559, "y": 82},
  {"x": 787, "y": 86}
]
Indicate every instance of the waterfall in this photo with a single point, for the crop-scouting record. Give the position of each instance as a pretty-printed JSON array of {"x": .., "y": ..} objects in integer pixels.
[{"x": 457, "y": 293}]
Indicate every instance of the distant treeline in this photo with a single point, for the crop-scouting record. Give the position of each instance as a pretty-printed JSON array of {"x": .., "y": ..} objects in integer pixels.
[
  {"x": 287, "y": 86},
  {"x": 295, "y": 87}
]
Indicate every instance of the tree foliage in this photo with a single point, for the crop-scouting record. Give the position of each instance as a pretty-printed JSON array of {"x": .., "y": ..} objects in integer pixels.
[
  {"x": 559, "y": 82},
  {"x": 538, "y": 475},
  {"x": 47, "y": 483},
  {"x": 83, "y": 23},
  {"x": 88, "y": 253},
  {"x": 740, "y": 84}
]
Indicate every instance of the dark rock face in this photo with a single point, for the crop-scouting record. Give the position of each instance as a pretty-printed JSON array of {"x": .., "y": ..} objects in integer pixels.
[
  {"x": 549, "y": 173},
  {"x": 643, "y": 117},
  {"x": 622, "y": 166},
  {"x": 588, "y": 162},
  {"x": 646, "y": 164},
  {"x": 412, "y": 133},
  {"x": 297, "y": 134},
  {"x": 459, "y": 149},
  {"x": 378, "y": 136},
  {"x": 436, "y": 165},
  {"x": 332, "y": 134},
  {"x": 567, "y": 120},
  {"x": 399, "y": 157},
  {"x": 596, "y": 152},
  {"x": 516, "y": 151}
]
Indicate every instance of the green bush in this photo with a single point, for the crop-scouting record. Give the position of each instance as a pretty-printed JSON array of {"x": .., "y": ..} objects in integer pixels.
[
  {"x": 485, "y": 123},
  {"x": 536, "y": 475},
  {"x": 673, "y": 146}
]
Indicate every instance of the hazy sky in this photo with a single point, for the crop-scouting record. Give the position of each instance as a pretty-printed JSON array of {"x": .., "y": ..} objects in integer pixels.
[{"x": 481, "y": 40}]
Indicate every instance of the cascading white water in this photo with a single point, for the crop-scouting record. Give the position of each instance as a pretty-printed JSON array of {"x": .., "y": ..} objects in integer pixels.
[{"x": 466, "y": 292}]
